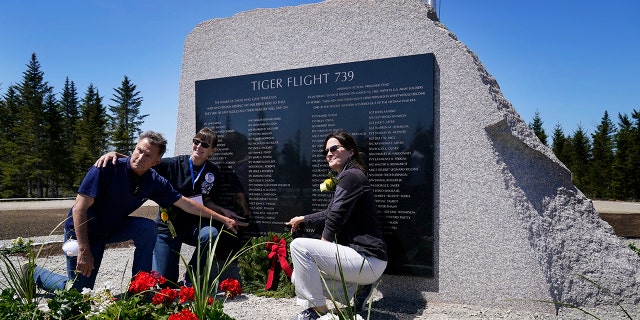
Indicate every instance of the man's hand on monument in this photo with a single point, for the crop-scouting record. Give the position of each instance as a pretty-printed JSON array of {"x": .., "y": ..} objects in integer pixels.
[
  {"x": 233, "y": 225},
  {"x": 232, "y": 215}
]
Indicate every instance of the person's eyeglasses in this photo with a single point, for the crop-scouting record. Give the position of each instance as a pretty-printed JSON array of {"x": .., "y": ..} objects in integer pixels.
[
  {"x": 333, "y": 149},
  {"x": 197, "y": 142}
]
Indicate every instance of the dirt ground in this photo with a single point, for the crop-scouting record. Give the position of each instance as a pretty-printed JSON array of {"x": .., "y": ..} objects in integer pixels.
[
  {"x": 30, "y": 219},
  {"x": 42, "y": 222}
]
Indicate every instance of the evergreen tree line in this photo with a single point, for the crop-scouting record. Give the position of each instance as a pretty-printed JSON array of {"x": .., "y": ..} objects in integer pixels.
[
  {"x": 48, "y": 142},
  {"x": 604, "y": 165}
]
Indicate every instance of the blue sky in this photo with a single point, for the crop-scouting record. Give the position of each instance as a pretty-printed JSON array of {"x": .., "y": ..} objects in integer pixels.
[{"x": 569, "y": 60}]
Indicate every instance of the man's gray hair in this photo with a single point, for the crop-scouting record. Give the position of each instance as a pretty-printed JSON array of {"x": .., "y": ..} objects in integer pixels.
[{"x": 155, "y": 139}]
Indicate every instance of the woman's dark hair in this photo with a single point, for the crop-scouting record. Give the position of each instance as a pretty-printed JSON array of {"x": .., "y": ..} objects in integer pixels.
[
  {"x": 206, "y": 134},
  {"x": 347, "y": 142}
]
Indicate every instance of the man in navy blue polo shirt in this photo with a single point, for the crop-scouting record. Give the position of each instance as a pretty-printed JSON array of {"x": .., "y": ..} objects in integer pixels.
[{"x": 100, "y": 215}]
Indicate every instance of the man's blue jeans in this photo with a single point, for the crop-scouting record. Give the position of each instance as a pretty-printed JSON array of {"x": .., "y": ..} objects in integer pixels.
[
  {"x": 142, "y": 231},
  {"x": 166, "y": 255}
]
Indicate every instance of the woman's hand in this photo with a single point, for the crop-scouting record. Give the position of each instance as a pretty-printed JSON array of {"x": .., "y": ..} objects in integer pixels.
[
  {"x": 104, "y": 159},
  {"x": 295, "y": 223}
]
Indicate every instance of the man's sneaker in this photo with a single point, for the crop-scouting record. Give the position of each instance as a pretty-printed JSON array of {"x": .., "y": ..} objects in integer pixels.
[
  {"x": 361, "y": 299},
  {"x": 308, "y": 314}
]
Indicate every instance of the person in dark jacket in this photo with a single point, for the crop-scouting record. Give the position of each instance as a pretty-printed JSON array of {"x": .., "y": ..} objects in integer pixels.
[{"x": 351, "y": 233}]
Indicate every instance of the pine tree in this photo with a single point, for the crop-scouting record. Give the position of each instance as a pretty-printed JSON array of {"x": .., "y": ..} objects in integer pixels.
[
  {"x": 70, "y": 116},
  {"x": 10, "y": 173},
  {"x": 634, "y": 156},
  {"x": 53, "y": 164},
  {"x": 558, "y": 145},
  {"x": 30, "y": 129},
  {"x": 600, "y": 168},
  {"x": 125, "y": 119},
  {"x": 621, "y": 168},
  {"x": 580, "y": 160},
  {"x": 536, "y": 126},
  {"x": 91, "y": 131}
]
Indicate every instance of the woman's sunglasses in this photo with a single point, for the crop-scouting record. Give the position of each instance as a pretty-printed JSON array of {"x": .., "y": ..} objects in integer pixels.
[
  {"x": 333, "y": 149},
  {"x": 197, "y": 142}
]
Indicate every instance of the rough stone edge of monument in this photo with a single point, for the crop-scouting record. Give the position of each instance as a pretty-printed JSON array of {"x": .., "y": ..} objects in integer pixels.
[
  {"x": 520, "y": 130},
  {"x": 590, "y": 292},
  {"x": 573, "y": 202}
]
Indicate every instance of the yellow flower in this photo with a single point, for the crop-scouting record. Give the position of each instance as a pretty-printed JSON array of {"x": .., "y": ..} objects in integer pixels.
[
  {"x": 329, "y": 184},
  {"x": 165, "y": 216}
]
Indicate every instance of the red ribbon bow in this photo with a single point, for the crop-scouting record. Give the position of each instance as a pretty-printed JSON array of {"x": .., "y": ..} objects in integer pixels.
[{"x": 277, "y": 251}]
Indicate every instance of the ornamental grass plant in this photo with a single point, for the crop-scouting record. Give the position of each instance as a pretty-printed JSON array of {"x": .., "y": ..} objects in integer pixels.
[
  {"x": 343, "y": 308},
  {"x": 17, "y": 275},
  {"x": 204, "y": 283}
]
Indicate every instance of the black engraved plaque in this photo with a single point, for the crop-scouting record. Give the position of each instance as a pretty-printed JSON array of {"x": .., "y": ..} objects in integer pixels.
[{"x": 272, "y": 126}]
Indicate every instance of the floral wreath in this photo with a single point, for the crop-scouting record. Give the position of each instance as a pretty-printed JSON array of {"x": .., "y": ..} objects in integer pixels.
[{"x": 265, "y": 267}]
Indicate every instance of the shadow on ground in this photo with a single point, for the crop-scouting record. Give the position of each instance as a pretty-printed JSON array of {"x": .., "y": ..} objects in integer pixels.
[{"x": 393, "y": 309}]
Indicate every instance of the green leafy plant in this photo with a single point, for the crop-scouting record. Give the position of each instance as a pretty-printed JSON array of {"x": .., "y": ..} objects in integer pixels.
[
  {"x": 68, "y": 304},
  {"x": 134, "y": 307},
  {"x": 18, "y": 274},
  {"x": 20, "y": 277},
  {"x": 17, "y": 245},
  {"x": 12, "y": 309}
]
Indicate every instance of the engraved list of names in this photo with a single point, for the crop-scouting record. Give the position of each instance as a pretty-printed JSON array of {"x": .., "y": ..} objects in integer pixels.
[{"x": 272, "y": 128}]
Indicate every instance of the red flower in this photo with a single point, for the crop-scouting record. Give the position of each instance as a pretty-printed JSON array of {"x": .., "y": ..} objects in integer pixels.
[
  {"x": 159, "y": 278},
  {"x": 185, "y": 314},
  {"x": 231, "y": 287},
  {"x": 145, "y": 281},
  {"x": 165, "y": 296},
  {"x": 186, "y": 294},
  {"x": 209, "y": 300}
]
